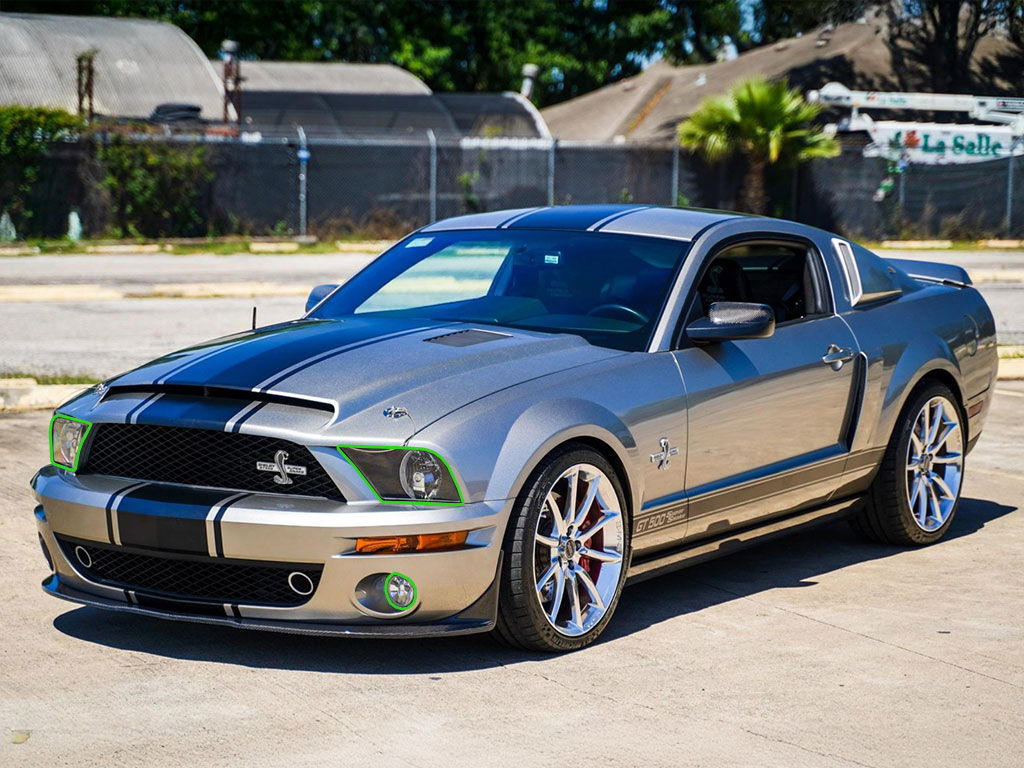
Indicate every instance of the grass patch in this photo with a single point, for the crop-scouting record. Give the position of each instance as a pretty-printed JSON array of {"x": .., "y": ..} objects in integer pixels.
[{"x": 45, "y": 378}]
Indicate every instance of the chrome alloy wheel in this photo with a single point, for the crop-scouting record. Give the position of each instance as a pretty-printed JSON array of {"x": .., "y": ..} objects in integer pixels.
[
  {"x": 935, "y": 463},
  {"x": 579, "y": 543}
]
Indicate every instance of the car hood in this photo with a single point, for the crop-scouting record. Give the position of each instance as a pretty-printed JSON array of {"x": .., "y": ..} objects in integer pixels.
[{"x": 361, "y": 366}]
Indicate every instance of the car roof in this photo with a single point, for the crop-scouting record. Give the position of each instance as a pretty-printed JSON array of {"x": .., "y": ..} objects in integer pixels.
[{"x": 645, "y": 220}]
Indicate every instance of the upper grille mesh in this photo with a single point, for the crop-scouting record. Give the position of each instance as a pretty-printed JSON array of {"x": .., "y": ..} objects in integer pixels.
[{"x": 201, "y": 457}]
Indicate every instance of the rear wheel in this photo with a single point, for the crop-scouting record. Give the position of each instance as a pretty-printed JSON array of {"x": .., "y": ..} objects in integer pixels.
[
  {"x": 917, "y": 490},
  {"x": 566, "y": 551}
]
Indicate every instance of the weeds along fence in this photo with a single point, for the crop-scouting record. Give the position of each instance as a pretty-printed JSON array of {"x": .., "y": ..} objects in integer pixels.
[{"x": 384, "y": 186}]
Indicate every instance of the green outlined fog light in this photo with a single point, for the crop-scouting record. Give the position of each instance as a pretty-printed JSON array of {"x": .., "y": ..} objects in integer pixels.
[{"x": 400, "y": 591}]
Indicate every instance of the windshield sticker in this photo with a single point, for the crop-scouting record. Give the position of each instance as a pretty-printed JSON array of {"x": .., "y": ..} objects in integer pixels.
[
  {"x": 551, "y": 258},
  {"x": 419, "y": 242}
]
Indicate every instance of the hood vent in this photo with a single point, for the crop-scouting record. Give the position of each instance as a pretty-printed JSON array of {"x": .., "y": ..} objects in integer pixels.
[{"x": 467, "y": 338}]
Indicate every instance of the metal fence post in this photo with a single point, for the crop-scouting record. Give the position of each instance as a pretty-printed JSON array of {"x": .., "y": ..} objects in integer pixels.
[
  {"x": 1009, "y": 189},
  {"x": 551, "y": 172},
  {"x": 433, "y": 174},
  {"x": 303, "y": 155},
  {"x": 675, "y": 174}
]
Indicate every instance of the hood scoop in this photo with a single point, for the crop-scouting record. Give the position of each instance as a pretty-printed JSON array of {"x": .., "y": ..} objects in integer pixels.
[{"x": 467, "y": 338}]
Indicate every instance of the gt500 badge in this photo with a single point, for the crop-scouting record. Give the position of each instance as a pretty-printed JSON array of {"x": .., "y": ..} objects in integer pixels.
[
  {"x": 283, "y": 470},
  {"x": 659, "y": 520}
]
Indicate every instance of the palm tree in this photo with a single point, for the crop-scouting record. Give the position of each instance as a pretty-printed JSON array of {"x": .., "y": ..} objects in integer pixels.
[{"x": 768, "y": 122}]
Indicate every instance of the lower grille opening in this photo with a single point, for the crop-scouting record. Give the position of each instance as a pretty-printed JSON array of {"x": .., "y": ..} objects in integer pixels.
[{"x": 218, "y": 580}]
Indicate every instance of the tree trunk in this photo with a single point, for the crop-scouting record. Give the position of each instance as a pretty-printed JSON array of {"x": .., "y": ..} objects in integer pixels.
[{"x": 752, "y": 196}]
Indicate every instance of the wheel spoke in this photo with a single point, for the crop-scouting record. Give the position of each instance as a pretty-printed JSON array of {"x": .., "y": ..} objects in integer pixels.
[
  {"x": 948, "y": 458},
  {"x": 574, "y": 599},
  {"x": 543, "y": 580},
  {"x": 556, "y": 513},
  {"x": 946, "y": 433},
  {"x": 556, "y": 602},
  {"x": 918, "y": 482},
  {"x": 917, "y": 442},
  {"x": 591, "y": 587},
  {"x": 925, "y": 423},
  {"x": 547, "y": 541},
  {"x": 604, "y": 557},
  {"x": 609, "y": 517},
  {"x": 922, "y": 502},
  {"x": 570, "y": 501},
  {"x": 588, "y": 501},
  {"x": 936, "y": 424},
  {"x": 936, "y": 506},
  {"x": 938, "y": 481}
]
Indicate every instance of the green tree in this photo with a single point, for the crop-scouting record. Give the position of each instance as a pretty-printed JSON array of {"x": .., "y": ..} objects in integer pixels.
[
  {"x": 768, "y": 123},
  {"x": 25, "y": 135},
  {"x": 155, "y": 188},
  {"x": 932, "y": 42}
]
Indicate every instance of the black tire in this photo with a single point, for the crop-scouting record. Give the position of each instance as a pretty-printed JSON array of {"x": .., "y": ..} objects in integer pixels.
[
  {"x": 521, "y": 621},
  {"x": 887, "y": 516}
]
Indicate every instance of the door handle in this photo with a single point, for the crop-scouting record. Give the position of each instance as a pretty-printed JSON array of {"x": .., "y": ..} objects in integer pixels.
[{"x": 836, "y": 356}]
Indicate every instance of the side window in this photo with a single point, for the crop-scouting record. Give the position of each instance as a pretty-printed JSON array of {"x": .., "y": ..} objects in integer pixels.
[{"x": 779, "y": 275}]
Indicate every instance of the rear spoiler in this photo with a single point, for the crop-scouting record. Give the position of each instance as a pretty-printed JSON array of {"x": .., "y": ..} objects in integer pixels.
[{"x": 933, "y": 272}]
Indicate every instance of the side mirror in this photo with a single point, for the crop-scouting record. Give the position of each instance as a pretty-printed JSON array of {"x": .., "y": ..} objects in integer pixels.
[
  {"x": 731, "y": 321},
  {"x": 318, "y": 294}
]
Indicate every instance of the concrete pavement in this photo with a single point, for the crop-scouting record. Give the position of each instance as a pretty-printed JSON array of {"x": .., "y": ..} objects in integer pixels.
[{"x": 816, "y": 650}]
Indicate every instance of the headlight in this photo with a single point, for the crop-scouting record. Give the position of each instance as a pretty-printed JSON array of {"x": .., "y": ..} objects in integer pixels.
[
  {"x": 404, "y": 474},
  {"x": 67, "y": 436}
]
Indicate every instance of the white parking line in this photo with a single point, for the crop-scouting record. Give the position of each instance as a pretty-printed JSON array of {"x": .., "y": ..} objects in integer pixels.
[{"x": 1009, "y": 392}]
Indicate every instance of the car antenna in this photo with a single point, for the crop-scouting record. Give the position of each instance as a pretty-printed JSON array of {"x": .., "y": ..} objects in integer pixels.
[{"x": 254, "y": 317}]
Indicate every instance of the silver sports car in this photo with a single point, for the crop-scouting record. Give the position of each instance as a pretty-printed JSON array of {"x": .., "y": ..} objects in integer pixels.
[{"x": 508, "y": 415}]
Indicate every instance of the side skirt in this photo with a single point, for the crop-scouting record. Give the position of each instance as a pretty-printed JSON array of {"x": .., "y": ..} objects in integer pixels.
[{"x": 733, "y": 541}]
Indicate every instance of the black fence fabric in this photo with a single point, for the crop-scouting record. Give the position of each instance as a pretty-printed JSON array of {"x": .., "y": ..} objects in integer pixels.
[{"x": 391, "y": 185}]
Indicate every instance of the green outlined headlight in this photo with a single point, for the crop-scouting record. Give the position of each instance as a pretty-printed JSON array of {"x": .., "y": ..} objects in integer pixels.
[
  {"x": 403, "y": 475},
  {"x": 67, "y": 436}
]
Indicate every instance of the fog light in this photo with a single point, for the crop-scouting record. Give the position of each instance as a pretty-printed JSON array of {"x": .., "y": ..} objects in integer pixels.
[{"x": 400, "y": 591}]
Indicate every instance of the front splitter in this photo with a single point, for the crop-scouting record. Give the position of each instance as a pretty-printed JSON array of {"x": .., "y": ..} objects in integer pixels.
[{"x": 481, "y": 616}]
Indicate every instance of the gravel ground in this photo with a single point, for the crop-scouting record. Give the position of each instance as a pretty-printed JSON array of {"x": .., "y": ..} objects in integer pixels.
[{"x": 816, "y": 650}]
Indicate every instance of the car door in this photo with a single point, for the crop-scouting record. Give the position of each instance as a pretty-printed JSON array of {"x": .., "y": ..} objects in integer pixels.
[{"x": 767, "y": 417}]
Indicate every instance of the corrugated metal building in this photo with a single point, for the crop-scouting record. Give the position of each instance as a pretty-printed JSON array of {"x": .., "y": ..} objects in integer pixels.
[{"x": 139, "y": 64}]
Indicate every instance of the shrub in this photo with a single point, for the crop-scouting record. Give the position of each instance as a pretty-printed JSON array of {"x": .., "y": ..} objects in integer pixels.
[
  {"x": 25, "y": 135},
  {"x": 156, "y": 188}
]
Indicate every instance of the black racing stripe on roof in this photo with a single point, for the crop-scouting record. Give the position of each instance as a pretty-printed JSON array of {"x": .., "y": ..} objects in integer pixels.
[{"x": 570, "y": 217}]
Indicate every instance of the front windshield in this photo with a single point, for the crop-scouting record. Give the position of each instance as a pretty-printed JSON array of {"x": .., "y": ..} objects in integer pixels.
[{"x": 607, "y": 288}]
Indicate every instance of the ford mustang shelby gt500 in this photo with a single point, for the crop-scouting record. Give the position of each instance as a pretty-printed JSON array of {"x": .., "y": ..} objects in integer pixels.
[{"x": 507, "y": 415}]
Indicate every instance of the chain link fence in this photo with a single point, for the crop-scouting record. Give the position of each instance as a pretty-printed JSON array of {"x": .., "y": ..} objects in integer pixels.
[{"x": 383, "y": 187}]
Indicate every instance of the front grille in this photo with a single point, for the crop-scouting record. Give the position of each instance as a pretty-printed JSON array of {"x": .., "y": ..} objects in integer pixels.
[
  {"x": 202, "y": 457},
  {"x": 214, "y": 579}
]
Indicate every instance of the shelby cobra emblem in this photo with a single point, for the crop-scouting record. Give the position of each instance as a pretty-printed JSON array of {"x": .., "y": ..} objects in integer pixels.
[
  {"x": 600, "y": 393},
  {"x": 283, "y": 470}
]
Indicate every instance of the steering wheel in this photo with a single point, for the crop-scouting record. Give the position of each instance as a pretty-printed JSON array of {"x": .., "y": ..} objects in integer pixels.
[{"x": 622, "y": 308}]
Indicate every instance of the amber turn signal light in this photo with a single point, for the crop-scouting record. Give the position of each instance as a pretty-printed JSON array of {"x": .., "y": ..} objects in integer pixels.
[{"x": 424, "y": 542}]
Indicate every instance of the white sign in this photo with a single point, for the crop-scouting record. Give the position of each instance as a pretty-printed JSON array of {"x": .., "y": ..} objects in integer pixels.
[{"x": 941, "y": 143}]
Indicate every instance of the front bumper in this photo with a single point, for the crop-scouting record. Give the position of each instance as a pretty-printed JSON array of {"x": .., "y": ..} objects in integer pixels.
[{"x": 456, "y": 590}]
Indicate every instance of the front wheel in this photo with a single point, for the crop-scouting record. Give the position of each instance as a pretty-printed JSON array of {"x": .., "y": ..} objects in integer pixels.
[
  {"x": 917, "y": 489},
  {"x": 566, "y": 552}
]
